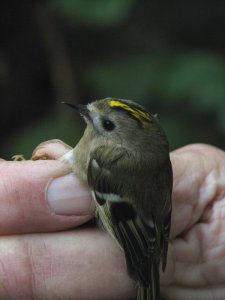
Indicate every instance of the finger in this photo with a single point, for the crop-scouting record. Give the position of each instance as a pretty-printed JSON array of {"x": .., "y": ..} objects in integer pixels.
[
  {"x": 52, "y": 149},
  {"x": 196, "y": 171},
  {"x": 187, "y": 293},
  {"x": 36, "y": 196},
  {"x": 81, "y": 264}
]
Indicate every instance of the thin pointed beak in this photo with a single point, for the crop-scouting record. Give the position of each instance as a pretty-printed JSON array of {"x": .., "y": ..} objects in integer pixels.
[{"x": 81, "y": 109}]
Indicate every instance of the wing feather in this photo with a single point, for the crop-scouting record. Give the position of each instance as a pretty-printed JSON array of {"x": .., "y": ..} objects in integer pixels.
[{"x": 120, "y": 218}]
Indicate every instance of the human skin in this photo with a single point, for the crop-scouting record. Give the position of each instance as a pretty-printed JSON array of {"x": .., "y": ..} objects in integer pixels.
[{"x": 49, "y": 256}]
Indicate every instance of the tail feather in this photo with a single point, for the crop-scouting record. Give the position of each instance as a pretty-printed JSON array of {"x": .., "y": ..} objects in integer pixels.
[{"x": 152, "y": 291}]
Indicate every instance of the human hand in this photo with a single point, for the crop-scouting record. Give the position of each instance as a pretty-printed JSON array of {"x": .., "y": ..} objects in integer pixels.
[
  {"x": 196, "y": 257},
  {"x": 64, "y": 264},
  {"x": 196, "y": 268},
  {"x": 40, "y": 256}
]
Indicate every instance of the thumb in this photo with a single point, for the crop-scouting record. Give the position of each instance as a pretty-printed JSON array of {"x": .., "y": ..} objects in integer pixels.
[{"x": 40, "y": 196}]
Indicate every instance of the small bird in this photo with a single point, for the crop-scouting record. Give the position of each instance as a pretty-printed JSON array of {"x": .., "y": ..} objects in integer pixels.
[{"x": 124, "y": 157}]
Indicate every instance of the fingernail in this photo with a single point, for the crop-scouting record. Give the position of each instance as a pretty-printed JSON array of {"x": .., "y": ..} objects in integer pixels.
[{"x": 67, "y": 195}]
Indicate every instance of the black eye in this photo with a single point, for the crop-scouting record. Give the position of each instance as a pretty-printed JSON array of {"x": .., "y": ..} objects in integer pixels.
[{"x": 108, "y": 125}]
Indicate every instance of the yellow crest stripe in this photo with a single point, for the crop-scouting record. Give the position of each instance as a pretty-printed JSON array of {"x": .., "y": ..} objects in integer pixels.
[{"x": 142, "y": 116}]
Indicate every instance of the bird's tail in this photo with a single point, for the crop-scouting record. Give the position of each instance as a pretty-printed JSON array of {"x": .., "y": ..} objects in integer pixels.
[{"x": 152, "y": 291}]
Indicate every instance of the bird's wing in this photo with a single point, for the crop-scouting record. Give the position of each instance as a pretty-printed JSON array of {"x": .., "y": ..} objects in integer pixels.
[{"x": 107, "y": 176}]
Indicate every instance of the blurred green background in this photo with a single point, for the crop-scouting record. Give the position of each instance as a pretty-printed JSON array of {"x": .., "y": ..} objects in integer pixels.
[{"x": 166, "y": 55}]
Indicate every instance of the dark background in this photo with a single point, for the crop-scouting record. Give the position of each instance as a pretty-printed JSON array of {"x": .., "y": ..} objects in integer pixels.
[{"x": 166, "y": 55}]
